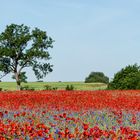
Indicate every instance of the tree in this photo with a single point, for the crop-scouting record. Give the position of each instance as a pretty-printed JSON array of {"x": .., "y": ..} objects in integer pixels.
[
  {"x": 21, "y": 47},
  {"x": 126, "y": 78},
  {"x": 97, "y": 77}
]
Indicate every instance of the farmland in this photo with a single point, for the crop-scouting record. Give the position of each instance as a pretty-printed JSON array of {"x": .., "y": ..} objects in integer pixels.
[
  {"x": 63, "y": 115},
  {"x": 59, "y": 85}
]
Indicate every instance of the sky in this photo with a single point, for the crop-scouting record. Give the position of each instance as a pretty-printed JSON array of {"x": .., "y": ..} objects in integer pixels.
[{"x": 90, "y": 35}]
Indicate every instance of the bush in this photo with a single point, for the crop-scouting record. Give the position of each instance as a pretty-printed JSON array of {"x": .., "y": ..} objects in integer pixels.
[
  {"x": 97, "y": 77},
  {"x": 27, "y": 88},
  {"x": 126, "y": 78},
  {"x": 69, "y": 87},
  {"x": 48, "y": 87},
  {"x": 0, "y": 89}
]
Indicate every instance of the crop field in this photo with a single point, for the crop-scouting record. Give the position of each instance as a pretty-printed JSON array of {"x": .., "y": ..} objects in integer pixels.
[
  {"x": 70, "y": 115},
  {"x": 58, "y": 85}
]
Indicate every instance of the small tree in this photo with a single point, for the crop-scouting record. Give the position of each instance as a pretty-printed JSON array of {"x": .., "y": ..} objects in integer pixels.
[
  {"x": 126, "y": 78},
  {"x": 21, "y": 47},
  {"x": 97, "y": 77}
]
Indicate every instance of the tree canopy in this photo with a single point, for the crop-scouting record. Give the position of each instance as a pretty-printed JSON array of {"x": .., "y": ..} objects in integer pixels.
[
  {"x": 97, "y": 77},
  {"x": 22, "y": 47},
  {"x": 126, "y": 78}
]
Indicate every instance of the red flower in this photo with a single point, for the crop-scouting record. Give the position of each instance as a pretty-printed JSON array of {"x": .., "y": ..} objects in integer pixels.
[
  {"x": 1, "y": 114},
  {"x": 86, "y": 133},
  {"x": 64, "y": 115},
  {"x": 85, "y": 126}
]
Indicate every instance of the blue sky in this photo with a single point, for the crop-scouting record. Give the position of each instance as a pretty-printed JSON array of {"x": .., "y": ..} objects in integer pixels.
[{"x": 90, "y": 35}]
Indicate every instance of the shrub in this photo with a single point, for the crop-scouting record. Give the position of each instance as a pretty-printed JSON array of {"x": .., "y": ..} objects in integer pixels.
[
  {"x": 0, "y": 89},
  {"x": 48, "y": 87},
  {"x": 97, "y": 77},
  {"x": 69, "y": 87},
  {"x": 126, "y": 78},
  {"x": 27, "y": 88}
]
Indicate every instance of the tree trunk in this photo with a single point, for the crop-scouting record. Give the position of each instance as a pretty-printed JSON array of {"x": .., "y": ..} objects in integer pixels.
[{"x": 17, "y": 81}]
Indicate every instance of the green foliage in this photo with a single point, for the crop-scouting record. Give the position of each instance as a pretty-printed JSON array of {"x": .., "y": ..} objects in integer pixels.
[
  {"x": 4, "y": 66},
  {"x": 97, "y": 77},
  {"x": 22, "y": 77},
  {"x": 126, "y": 78},
  {"x": 27, "y": 88},
  {"x": 48, "y": 87},
  {"x": 69, "y": 87},
  {"x": 0, "y": 89},
  {"x": 21, "y": 47}
]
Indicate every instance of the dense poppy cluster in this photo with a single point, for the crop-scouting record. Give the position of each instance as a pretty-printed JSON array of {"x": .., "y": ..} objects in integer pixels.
[{"x": 70, "y": 115}]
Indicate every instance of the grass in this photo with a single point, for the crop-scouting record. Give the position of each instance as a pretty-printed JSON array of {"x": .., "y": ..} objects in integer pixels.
[{"x": 59, "y": 85}]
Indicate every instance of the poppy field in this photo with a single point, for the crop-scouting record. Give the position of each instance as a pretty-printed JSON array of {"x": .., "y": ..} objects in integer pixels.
[{"x": 70, "y": 115}]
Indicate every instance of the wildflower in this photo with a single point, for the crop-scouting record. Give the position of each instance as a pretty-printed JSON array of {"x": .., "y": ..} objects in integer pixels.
[{"x": 85, "y": 126}]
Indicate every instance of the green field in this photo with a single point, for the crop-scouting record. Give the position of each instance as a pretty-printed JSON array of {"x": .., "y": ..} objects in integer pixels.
[{"x": 59, "y": 85}]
